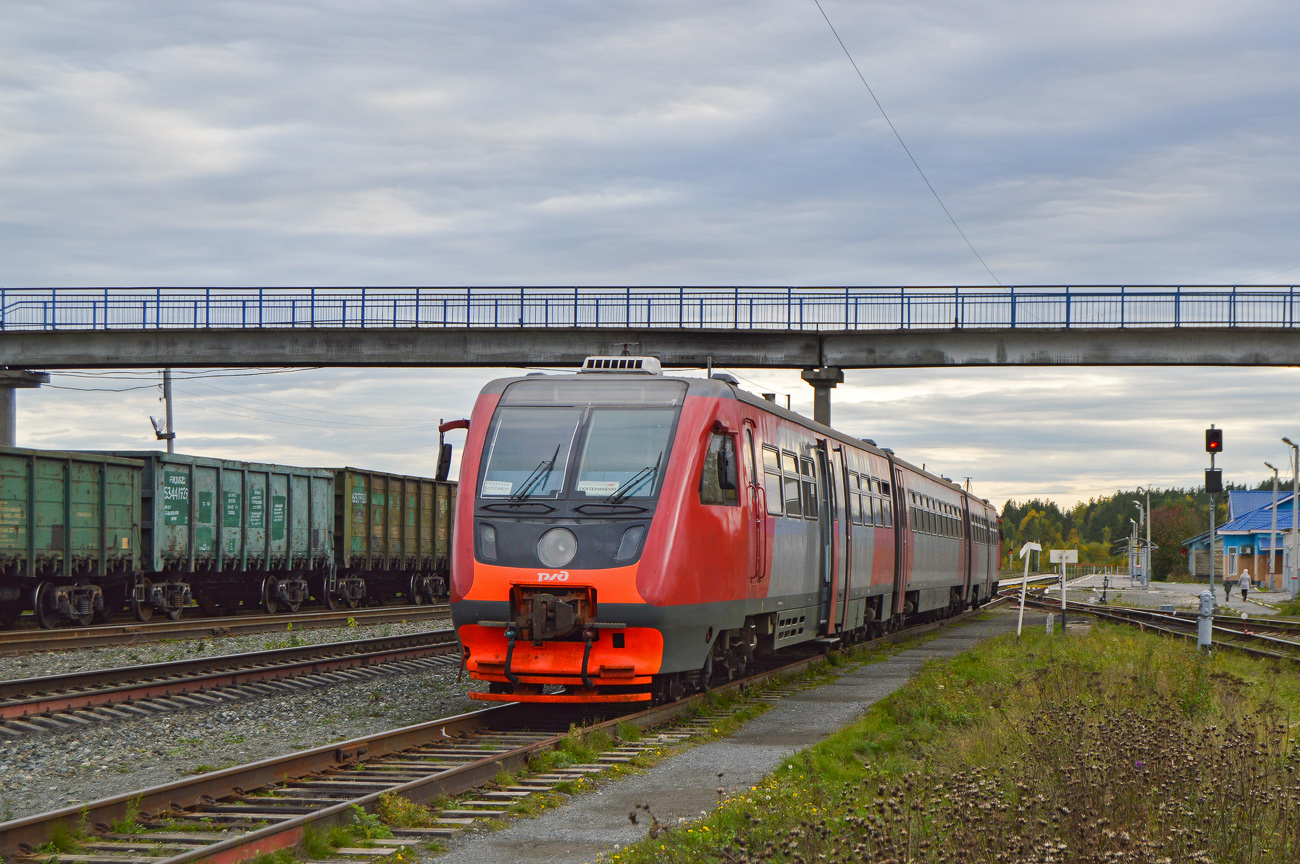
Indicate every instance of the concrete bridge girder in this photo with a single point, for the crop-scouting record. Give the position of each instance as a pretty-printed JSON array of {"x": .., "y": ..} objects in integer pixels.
[{"x": 824, "y": 353}]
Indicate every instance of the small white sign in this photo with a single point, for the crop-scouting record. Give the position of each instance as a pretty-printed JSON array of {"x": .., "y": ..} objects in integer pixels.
[
  {"x": 1064, "y": 556},
  {"x": 598, "y": 487},
  {"x": 497, "y": 487}
]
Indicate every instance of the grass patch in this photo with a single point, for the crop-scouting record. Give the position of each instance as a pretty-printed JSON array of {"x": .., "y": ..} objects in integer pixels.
[
  {"x": 402, "y": 812},
  {"x": 281, "y": 856},
  {"x": 368, "y": 826},
  {"x": 129, "y": 823},
  {"x": 318, "y": 843},
  {"x": 63, "y": 838},
  {"x": 1113, "y": 745}
]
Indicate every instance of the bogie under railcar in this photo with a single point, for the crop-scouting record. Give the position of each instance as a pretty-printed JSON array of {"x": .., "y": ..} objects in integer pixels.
[{"x": 630, "y": 534}]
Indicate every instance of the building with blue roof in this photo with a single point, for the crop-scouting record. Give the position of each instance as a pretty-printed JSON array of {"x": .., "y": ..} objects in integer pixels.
[{"x": 1245, "y": 541}]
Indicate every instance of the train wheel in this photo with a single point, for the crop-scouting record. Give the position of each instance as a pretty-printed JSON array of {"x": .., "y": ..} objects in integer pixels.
[
  {"x": 143, "y": 609},
  {"x": 329, "y": 599},
  {"x": 352, "y": 602},
  {"x": 9, "y": 614},
  {"x": 415, "y": 594},
  {"x": 292, "y": 607},
  {"x": 43, "y": 605},
  {"x": 270, "y": 602},
  {"x": 175, "y": 614}
]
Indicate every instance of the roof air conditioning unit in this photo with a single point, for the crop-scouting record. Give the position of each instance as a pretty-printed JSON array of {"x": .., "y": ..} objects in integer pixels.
[{"x": 626, "y": 365}]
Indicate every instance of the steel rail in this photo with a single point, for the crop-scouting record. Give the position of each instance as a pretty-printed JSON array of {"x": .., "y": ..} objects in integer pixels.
[
  {"x": 103, "y": 635},
  {"x": 21, "y": 836},
  {"x": 28, "y": 697},
  {"x": 1145, "y": 620}
]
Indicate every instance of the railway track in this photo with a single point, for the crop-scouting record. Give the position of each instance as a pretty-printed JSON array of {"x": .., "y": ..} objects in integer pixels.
[
  {"x": 102, "y": 635},
  {"x": 234, "y": 814},
  {"x": 58, "y": 702},
  {"x": 1260, "y": 637}
]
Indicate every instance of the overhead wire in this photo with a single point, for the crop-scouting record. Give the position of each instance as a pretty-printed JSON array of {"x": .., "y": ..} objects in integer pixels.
[{"x": 893, "y": 129}]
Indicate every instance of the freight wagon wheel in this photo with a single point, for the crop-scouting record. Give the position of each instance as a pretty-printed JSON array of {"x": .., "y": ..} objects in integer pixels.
[
  {"x": 143, "y": 609},
  {"x": 43, "y": 605},
  {"x": 351, "y": 602},
  {"x": 270, "y": 602},
  {"x": 174, "y": 614},
  {"x": 415, "y": 594},
  {"x": 9, "y": 613},
  {"x": 329, "y": 599}
]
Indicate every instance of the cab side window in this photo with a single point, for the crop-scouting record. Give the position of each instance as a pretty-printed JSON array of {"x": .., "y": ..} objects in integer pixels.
[{"x": 718, "y": 483}]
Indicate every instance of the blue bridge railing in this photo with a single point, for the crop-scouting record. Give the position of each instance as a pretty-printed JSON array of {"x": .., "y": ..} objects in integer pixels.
[{"x": 746, "y": 308}]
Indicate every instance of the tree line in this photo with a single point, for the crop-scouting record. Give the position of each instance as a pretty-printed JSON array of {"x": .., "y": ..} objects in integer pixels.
[{"x": 1100, "y": 528}]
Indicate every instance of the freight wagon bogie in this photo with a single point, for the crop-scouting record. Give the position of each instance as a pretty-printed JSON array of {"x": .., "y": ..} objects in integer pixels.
[{"x": 629, "y": 536}]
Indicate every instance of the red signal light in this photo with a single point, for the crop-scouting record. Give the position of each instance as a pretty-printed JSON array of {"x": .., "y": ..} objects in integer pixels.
[{"x": 1213, "y": 440}]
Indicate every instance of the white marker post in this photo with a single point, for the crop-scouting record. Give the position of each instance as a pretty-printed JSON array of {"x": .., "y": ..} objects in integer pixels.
[
  {"x": 1063, "y": 557},
  {"x": 1024, "y": 586}
]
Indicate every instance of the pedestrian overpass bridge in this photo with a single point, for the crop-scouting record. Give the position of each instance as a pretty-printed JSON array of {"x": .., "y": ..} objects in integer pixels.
[{"x": 821, "y": 330}]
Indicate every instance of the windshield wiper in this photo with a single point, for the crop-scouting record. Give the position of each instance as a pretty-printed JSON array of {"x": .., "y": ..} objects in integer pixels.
[
  {"x": 539, "y": 474},
  {"x": 636, "y": 480}
]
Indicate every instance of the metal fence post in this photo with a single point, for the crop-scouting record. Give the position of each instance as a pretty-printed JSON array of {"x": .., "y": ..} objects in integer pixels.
[
  {"x": 1122, "y": 307},
  {"x": 261, "y": 306},
  {"x": 1178, "y": 307},
  {"x": 313, "y": 308},
  {"x": 1232, "y": 308},
  {"x": 157, "y": 309},
  {"x": 1067, "y": 307},
  {"x": 902, "y": 315},
  {"x": 363, "y": 308},
  {"x": 1013, "y": 307}
]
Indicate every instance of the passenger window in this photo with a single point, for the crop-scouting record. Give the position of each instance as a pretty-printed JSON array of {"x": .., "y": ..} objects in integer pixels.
[
  {"x": 772, "y": 481},
  {"x": 869, "y": 513},
  {"x": 886, "y": 512},
  {"x": 809, "y": 488},
  {"x": 790, "y": 473},
  {"x": 718, "y": 483},
  {"x": 855, "y": 506}
]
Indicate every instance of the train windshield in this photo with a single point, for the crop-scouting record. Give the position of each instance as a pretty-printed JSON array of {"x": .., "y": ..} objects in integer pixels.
[
  {"x": 624, "y": 452},
  {"x": 530, "y": 452},
  {"x": 605, "y": 441}
]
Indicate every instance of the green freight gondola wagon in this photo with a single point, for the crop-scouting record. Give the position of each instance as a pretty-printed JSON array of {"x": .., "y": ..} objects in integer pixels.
[
  {"x": 69, "y": 534},
  {"x": 232, "y": 532},
  {"x": 392, "y": 535}
]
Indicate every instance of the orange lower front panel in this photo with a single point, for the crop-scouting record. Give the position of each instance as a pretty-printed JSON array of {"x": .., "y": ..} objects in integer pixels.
[
  {"x": 557, "y": 662},
  {"x": 580, "y": 696}
]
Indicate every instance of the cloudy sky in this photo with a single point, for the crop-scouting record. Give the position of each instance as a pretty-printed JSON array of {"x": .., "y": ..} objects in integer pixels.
[{"x": 505, "y": 143}]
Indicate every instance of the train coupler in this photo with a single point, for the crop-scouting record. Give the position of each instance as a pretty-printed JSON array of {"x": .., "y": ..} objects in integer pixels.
[{"x": 538, "y": 614}]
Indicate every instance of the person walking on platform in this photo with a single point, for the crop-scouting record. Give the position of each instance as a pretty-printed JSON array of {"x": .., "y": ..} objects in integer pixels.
[
  {"x": 1244, "y": 584},
  {"x": 1228, "y": 582}
]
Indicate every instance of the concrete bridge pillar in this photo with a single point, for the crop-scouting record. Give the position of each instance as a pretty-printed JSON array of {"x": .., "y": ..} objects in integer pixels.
[
  {"x": 11, "y": 380},
  {"x": 823, "y": 379}
]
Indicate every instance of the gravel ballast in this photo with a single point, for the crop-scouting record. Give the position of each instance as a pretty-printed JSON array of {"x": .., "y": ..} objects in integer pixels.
[
  {"x": 54, "y": 770},
  {"x": 44, "y": 663}
]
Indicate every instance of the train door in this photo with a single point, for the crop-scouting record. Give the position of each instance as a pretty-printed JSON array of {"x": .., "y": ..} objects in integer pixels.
[
  {"x": 825, "y": 530},
  {"x": 967, "y": 548},
  {"x": 902, "y": 538},
  {"x": 757, "y": 508},
  {"x": 844, "y": 538}
]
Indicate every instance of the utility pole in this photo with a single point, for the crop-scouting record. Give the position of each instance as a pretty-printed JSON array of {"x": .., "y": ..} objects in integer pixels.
[
  {"x": 1272, "y": 533},
  {"x": 165, "y": 431}
]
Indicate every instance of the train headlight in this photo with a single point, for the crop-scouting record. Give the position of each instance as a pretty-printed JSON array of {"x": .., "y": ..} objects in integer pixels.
[
  {"x": 630, "y": 543},
  {"x": 488, "y": 542},
  {"x": 557, "y": 547}
]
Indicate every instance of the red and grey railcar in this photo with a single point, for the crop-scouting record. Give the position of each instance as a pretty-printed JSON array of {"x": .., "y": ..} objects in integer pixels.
[{"x": 630, "y": 535}]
